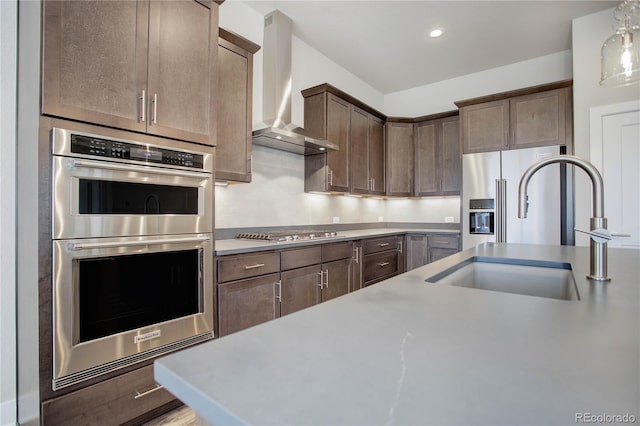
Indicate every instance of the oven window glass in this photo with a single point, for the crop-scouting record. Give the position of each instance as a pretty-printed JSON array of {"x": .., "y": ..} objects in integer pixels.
[
  {"x": 113, "y": 197},
  {"x": 121, "y": 293}
]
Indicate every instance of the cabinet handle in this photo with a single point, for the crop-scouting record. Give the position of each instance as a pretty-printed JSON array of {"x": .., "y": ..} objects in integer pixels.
[
  {"x": 152, "y": 390},
  {"x": 330, "y": 176},
  {"x": 383, "y": 244},
  {"x": 400, "y": 246},
  {"x": 326, "y": 278},
  {"x": 373, "y": 184},
  {"x": 355, "y": 254},
  {"x": 321, "y": 275},
  {"x": 155, "y": 108},
  {"x": 257, "y": 265},
  {"x": 441, "y": 242},
  {"x": 143, "y": 106},
  {"x": 279, "y": 294},
  {"x": 383, "y": 264}
]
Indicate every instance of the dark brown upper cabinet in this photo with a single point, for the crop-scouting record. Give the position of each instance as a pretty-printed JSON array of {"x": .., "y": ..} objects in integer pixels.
[
  {"x": 438, "y": 159},
  {"x": 536, "y": 116},
  {"x": 235, "y": 82},
  {"x": 359, "y": 164},
  {"x": 327, "y": 117},
  {"x": 367, "y": 153},
  {"x": 400, "y": 158},
  {"x": 145, "y": 66}
]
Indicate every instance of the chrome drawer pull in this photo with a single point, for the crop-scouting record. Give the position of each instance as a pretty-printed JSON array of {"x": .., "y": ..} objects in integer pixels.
[
  {"x": 257, "y": 265},
  {"x": 441, "y": 242},
  {"x": 383, "y": 264},
  {"x": 383, "y": 244},
  {"x": 152, "y": 390}
]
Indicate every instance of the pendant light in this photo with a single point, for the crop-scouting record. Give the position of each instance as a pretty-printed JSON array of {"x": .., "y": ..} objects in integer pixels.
[{"x": 621, "y": 51}]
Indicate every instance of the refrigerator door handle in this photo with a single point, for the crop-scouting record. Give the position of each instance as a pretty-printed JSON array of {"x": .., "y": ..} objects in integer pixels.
[
  {"x": 498, "y": 224},
  {"x": 501, "y": 211}
]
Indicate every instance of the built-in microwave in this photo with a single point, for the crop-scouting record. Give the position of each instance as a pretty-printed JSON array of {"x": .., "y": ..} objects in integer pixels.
[{"x": 113, "y": 187}]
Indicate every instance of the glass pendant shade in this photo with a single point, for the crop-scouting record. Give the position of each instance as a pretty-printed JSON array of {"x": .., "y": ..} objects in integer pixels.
[{"x": 621, "y": 51}]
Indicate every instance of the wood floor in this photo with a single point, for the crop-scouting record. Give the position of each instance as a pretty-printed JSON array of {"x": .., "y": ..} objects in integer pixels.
[{"x": 181, "y": 416}]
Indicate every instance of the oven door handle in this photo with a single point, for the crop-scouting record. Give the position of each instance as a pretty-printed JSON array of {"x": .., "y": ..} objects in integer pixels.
[
  {"x": 77, "y": 163},
  {"x": 147, "y": 242}
]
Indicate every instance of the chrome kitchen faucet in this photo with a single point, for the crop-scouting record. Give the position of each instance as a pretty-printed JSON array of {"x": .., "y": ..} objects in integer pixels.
[{"x": 599, "y": 233}]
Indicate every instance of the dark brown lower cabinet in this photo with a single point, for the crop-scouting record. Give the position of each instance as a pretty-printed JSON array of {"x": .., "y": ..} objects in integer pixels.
[
  {"x": 440, "y": 253},
  {"x": 383, "y": 258},
  {"x": 300, "y": 288},
  {"x": 426, "y": 248},
  {"x": 337, "y": 276},
  {"x": 417, "y": 251},
  {"x": 130, "y": 398},
  {"x": 245, "y": 303}
]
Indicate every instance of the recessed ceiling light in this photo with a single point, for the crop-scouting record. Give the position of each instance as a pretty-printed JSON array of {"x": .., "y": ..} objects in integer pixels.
[{"x": 435, "y": 33}]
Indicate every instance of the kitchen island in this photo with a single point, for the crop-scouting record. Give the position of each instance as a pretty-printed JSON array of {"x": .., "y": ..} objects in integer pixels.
[{"x": 405, "y": 351}]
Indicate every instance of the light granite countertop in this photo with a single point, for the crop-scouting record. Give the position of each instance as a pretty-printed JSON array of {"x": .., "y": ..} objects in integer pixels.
[
  {"x": 238, "y": 246},
  {"x": 408, "y": 352}
]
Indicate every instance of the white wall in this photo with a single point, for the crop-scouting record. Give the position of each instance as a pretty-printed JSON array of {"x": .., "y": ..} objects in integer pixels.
[
  {"x": 440, "y": 96},
  {"x": 589, "y": 32},
  {"x": 8, "y": 57}
]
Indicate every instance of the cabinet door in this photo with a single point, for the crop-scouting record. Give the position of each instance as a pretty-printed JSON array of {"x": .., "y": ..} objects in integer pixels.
[
  {"x": 485, "y": 127},
  {"x": 337, "y": 278},
  {"x": 450, "y": 157},
  {"x": 359, "y": 142},
  {"x": 233, "y": 147},
  {"x": 183, "y": 42},
  {"x": 427, "y": 180},
  {"x": 338, "y": 133},
  {"x": 376, "y": 156},
  {"x": 245, "y": 303},
  {"x": 95, "y": 61},
  {"x": 417, "y": 251},
  {"x": 399, "y": 159},
  {"x": 538, "y": 119},
  {"x": 300, "y": 288}
]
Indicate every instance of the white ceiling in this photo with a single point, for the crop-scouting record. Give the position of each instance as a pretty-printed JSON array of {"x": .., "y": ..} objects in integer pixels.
[{"x": 386, "y": 43}]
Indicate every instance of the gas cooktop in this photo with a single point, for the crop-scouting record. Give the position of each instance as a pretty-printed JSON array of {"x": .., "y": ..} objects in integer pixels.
[{"x": 287, "y": 235}]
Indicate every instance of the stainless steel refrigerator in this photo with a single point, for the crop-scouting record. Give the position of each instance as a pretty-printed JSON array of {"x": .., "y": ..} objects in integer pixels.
[{"x": 490, "y": 198}]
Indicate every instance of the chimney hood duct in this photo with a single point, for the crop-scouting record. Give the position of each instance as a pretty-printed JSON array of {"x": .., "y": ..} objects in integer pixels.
[{"x": 278, "y": 132}]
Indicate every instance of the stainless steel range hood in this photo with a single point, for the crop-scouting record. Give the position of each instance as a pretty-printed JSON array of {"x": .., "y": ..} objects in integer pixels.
[{"x": 276, "y": 130}]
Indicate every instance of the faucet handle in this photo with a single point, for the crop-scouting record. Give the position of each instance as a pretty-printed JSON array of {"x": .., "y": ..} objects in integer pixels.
[
  {"x": 602, "y": 235},
  {"x": 599, "y": 235}
]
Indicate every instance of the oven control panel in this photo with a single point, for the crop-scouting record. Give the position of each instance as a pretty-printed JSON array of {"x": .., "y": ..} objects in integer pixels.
[{"x": 87, "y": 145}]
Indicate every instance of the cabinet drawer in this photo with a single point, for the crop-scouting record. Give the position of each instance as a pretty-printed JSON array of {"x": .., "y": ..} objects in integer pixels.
[
  {"x": 440, "y": 253},
  {"x": 375, "y": 245},
  {"x": 232, "y": 268},
  {"x": 380, "y": 264},
  {"x": 114, "y": 401},
  {"x": 444, "y": 241},
  {"x": 298, "y": 258},
  {"x": 331, "y": 252}
]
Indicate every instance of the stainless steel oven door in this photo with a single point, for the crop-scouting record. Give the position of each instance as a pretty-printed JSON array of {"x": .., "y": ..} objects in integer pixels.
[
  {"x": 118, "y": 301},
  {"x": 109, "y": 199}
]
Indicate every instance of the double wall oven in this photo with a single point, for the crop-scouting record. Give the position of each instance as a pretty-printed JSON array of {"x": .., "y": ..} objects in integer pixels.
[{"x": 132, "y": 227}]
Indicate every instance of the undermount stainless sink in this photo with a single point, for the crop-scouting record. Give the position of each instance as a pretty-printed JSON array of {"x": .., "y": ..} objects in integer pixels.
[{"x": 520, "y": 276}]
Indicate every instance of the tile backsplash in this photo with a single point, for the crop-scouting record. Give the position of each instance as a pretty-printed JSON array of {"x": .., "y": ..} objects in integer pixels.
[{"x": 276, "y": 197}]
